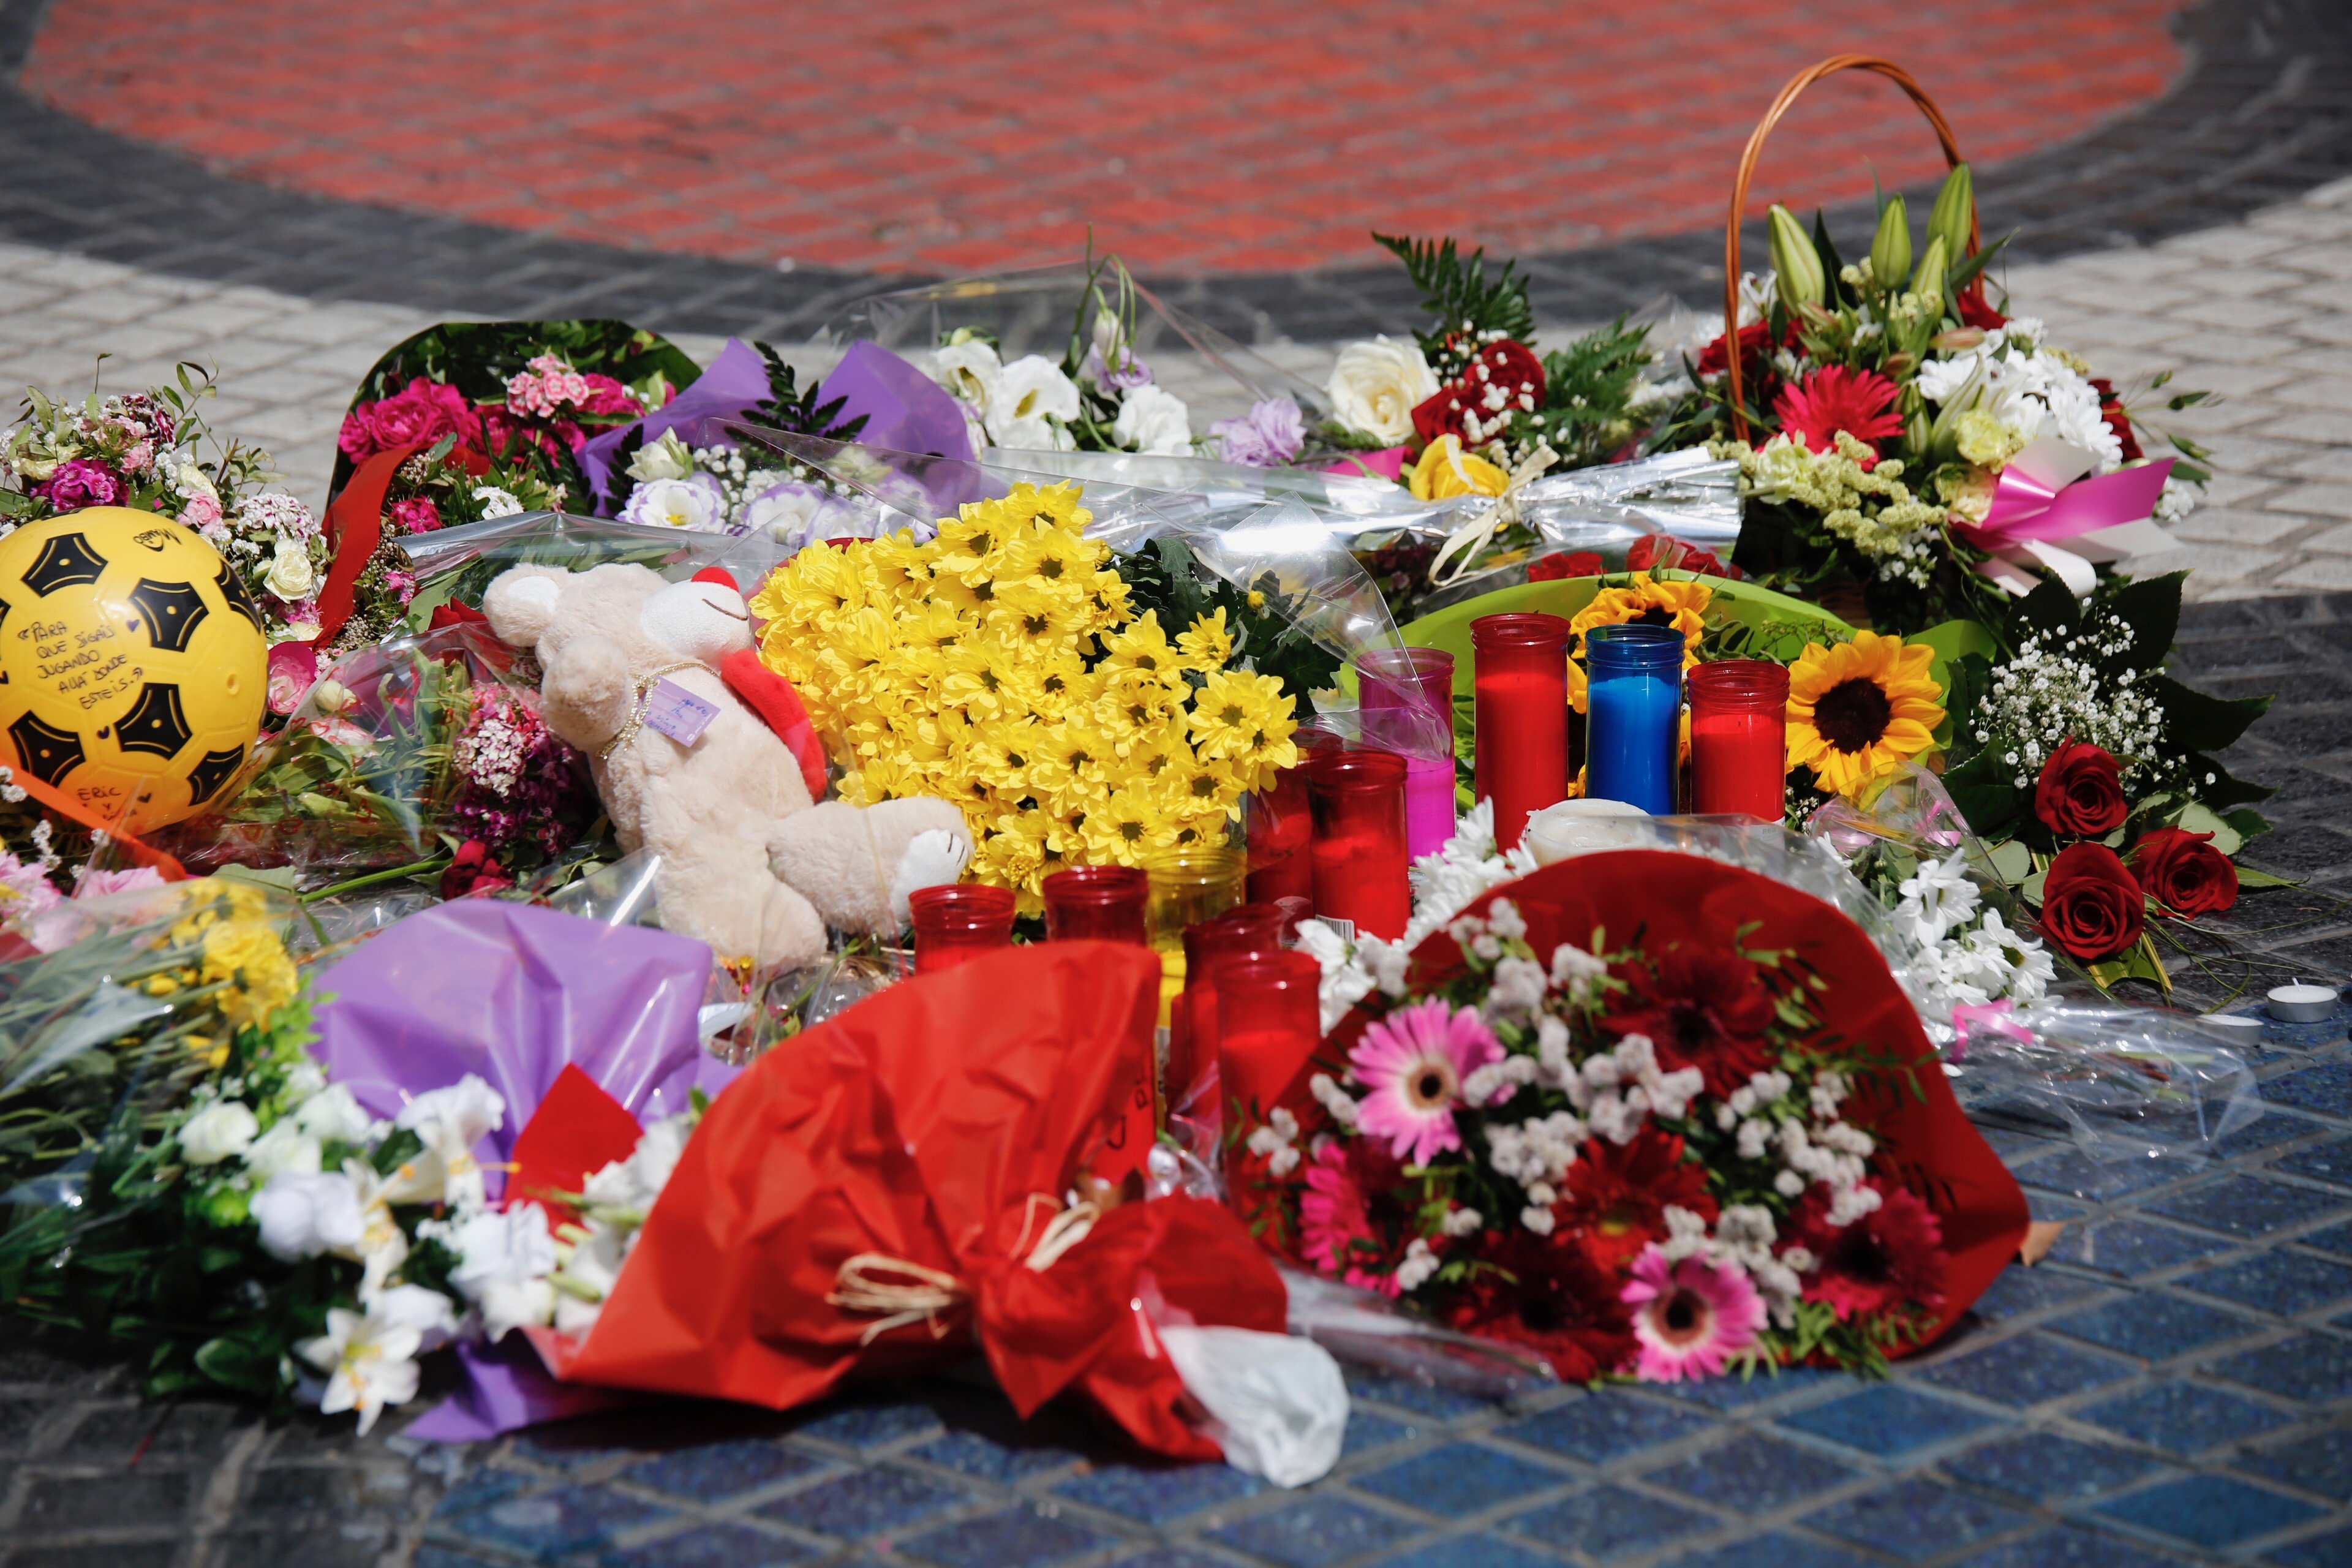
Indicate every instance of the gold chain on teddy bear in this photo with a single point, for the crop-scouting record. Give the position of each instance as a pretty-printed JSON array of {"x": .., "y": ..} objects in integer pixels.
[{"x": 642, "y": 704}]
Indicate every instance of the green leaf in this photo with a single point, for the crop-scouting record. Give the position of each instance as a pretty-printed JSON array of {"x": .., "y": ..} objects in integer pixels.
[
  {"x": 2248, "y": 877},
  {"x": 1455, "y": 289},
  {"x": 2049, "y": 610},
  {"x": 2151, "y": 607},
  {"x": 2194, "y": 721},
  {"x": 2011, "y": 861},
  {"x": 250, "y": 1366},
  {"x": 1985, "y": 791},
  {"x": 2195, "y": 817}
]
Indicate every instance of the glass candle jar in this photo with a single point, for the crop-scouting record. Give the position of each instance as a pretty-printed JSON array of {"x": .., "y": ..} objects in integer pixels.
[
  {"x": 1633, "y": 706},
  {"x": 1739, "y": 738},
  {"x": 1192, "y": 1022},
  {"x": 1407, "y": 702},
  {"x": 1520, "y": 687},
  {"x": 1099, "y": 903},
  {"x": 1280, "y": 825},
  {"x": 957, "y": 923},
  {"x": 1360, "y": 859},
  {"x": 1268, "y": 1025},
  {"x": 1188, "y": 885}
]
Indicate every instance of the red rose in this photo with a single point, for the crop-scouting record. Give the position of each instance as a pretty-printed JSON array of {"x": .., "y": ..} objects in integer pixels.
[
  {"x": 427, "y": 411},
  {"x": 1571, "y": 564},
  {"x": 2184, "y": 872},
  {"x": 2081, "y": 792},
  {"x": 2091, "y": 907},
  {"x": 473, "y": 871},
  {"x": 1504, "y": 378}
]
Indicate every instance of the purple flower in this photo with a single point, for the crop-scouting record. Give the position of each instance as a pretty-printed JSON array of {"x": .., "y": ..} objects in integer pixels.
[
  {"x": 76, "y": 484},
  {"x": 1121, "y": 375},
  {"x": 1271, "y": 435}
]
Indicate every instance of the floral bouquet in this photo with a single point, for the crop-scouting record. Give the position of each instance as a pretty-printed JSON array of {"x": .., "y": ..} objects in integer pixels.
[
  {"x": 421, "y": 756},
  {"x": 1006, "y": 666},
  {"x": 1639, "y": 1114},
  {"x": 146, "y": 450}
]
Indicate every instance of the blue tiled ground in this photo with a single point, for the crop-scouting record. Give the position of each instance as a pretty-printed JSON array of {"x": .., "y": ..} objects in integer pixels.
[{"x": 2173, "y": 1386}]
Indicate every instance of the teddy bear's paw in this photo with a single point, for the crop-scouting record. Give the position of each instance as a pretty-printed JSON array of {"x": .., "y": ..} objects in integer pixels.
[{"x": 930, "y": 860}]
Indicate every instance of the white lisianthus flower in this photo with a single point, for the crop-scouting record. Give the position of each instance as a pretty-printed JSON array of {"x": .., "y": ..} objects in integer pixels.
[
  {"x": 450, "y": 1122},
  {"x": 304, "y": 1214},
  {"x": 695, "y": 503},
  {"x": 665, "y": 458},
  {"x": 287, "y": 1147},
  {"x": 1375, "y": 386},
  {"x": 222, "y": 1129},
  {"x": 291, "y": 575},
  {"x": 971, "y": 371},
  {"x": 784, "y": 511},
  {"x": 1031, "y": 397},
  {"x": 1154, "y": 420},
  {"x": 496, "y": 503}
]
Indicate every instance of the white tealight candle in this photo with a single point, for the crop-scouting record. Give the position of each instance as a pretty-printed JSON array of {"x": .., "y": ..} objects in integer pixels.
[
  {"x": 2238, "y": 1025},
  {"x": 1571, "y": 827},
  {"x": 2301, "y": 1003}
]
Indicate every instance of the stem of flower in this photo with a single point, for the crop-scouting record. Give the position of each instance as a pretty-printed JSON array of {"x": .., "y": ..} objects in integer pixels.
[{"x": 435, "y": 863}]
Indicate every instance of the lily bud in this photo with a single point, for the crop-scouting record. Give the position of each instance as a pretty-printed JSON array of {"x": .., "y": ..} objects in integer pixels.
[
  {"x": 1955, "y": 204},
  {"x": 1928, "y": 282},
  {"x": 1890, "y": 249},
  {"x": 1796, "y": 265}
]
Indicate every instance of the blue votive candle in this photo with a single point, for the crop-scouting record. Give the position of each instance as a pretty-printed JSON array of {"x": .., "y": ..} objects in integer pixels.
[{"x": 1634, "y": 707}]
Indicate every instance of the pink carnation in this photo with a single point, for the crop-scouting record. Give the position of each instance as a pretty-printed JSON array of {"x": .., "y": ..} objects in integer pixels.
[
  {"x": 418, "y": 515},
  {"x": 425, "y": 412}
]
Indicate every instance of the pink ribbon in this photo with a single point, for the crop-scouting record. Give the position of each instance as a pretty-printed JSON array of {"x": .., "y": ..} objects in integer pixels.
[
  {"x": 1991, "y": 1016},
  {"x": 2026, "y": 505}
]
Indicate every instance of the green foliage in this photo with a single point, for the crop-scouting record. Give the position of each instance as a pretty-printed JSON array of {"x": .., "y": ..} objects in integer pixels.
[
  {"x": 796, "y": 410},
  {"x": 1165, "y": 576},
  {"x": 1588, "y": 389},
  {"x": 1456, "y": 290}
]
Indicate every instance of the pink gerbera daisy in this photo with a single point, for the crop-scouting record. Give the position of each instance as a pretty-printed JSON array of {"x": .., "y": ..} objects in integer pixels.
[
  {"x": 1691, "y": 1317},
  {"x": 1413, "y": 1062}
]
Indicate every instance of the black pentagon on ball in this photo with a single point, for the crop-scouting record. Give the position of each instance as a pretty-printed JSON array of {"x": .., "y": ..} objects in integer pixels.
[
  {"x": 155, "y": 723},
  {"x": 233, "y": 589},
  {"x": 66, "y": 561},
  {"x": 172, "y": 612},
  {"x": 48, "y": 755},
  {"x": 213, "y": 770}
]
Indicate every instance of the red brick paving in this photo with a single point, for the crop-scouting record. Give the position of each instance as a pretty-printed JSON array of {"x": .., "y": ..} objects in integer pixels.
[{"x": 1201, "y": 137}]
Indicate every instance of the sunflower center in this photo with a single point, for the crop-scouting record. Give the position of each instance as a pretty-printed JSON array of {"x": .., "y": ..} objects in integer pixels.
[
  {"x": 1853, "y": 715},
  {"x": 1430, "y": 1085},
  {"x": 1655, "y": 616},
  {"x": 1682, "y": 1317}
]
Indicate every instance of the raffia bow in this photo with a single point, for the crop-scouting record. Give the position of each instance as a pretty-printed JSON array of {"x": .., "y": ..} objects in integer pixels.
[
  {"x": 1473, "y": 536},
  {"x": 902, "y": 1293}
]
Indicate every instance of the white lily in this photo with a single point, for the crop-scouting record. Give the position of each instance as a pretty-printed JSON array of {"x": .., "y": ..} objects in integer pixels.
[
  {"x": 450, "y": 1122},
  {"x": 371, "y": 1357}
]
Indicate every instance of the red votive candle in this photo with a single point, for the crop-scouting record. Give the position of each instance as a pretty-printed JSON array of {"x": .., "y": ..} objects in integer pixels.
[
  {"x": 1098, "y": 903},
  {"x": 1520, "y": 685},
  {"x": 1361, "y": 852},
  {"x": 1192, "y": 1021},
  {"x": 1281, "y": 825},
  {"x": 1739, "y": 738},
  {"x": 957, "y": 923},
  {"x": 1407, "y": 702},
  {"x": 1268, "y": 1024}
]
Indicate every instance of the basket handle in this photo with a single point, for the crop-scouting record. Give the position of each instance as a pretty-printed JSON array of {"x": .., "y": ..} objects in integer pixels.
[{"x": 1754, "y": 152}]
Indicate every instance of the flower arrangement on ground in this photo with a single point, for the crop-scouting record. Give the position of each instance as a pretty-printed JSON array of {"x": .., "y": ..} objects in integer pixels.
[
  {"x": 1002, "y": 665},
  {"x": 1654, "y": 1151},
  {"x": 146, "y": 450}
]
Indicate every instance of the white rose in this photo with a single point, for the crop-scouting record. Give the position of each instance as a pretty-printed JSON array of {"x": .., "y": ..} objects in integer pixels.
[
  {"x": 1152, "y": 420},
  {"x": 1376, "y": 387},
  {"x": 301, "y": 1215},
  {"x": 222, "y": 1129},
  {"x": 667, "y": 458},
  {"x": 291, "y": 576},
  {"x": 191, "y": 481},
  {"x": 285, "y": 1148},
  {"x": 1033, "y": 393},
  {"x": 970, "y": 371}
]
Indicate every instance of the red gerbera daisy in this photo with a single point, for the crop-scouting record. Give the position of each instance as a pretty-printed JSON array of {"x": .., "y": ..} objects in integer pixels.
[
  {"x": 1702, "y": 1008},
  {"x": 1354, "y": 1221},
  {"x": 1890, "y": 1256},
  {"x": 1617, "y": 1196},
  {"x": 1833, "y": 398},
  {"x": 1546, "y": 1295}
]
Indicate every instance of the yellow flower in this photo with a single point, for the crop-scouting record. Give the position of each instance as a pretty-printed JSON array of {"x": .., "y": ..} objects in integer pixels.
[
  {"x": 1208, "y": 645},
  {"x": 1577, "y": 683},
  {"x": 247, "y": 955},
  {"x": 1648, "y": 602},
  {"x": 1237, "y": 714},
  {"x": 1127, "y": 826},
  {"x": 1140, "y": 647},
  {"x": 1445, "y": 470},
  {"x": 1857, "y": 709}
]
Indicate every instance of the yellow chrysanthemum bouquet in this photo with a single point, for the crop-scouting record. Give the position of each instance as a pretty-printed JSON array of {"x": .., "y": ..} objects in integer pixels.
[{"x": 1000, "y": 666}]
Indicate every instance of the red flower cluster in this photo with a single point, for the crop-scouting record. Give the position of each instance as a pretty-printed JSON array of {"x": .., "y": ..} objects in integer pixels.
[
  {"x": 427, "y": 411},
  {"x": 1502, "y": 379},
  {"x": 473, "y": 871},
  {"x": 1618, "y": 1195},
  {"x": 2111, "y": 410},
  {"x": 2093, "y": 905},
  {"x": 1564, "y": 564},
  {"x": 1655, "y": 551},
  {"x": 1890, "y": 1256},
  {"x": 1547, "y": 1296},
  {"x": 1701, "y": 1007}
]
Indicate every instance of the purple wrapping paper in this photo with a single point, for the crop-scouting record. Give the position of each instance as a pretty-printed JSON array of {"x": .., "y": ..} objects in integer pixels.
[
  {"x": 905, "y": 410},
  {"x": 513, "y": 994},
  {"x": 506, "y": 1387}
]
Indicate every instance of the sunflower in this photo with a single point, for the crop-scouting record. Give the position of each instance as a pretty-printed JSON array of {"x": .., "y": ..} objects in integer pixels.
[
  {"x": 1858, "y": 709},
  {"x": 1645, "y": 601}
]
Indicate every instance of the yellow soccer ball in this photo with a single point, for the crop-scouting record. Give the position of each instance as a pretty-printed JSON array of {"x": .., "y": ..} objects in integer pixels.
[{"x": 133, "y": 667}]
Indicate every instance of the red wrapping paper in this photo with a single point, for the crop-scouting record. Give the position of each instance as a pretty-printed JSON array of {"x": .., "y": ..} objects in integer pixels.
[
  {"x": 938, "y": 1124},
  {"x": 1656, "y": 899}
]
